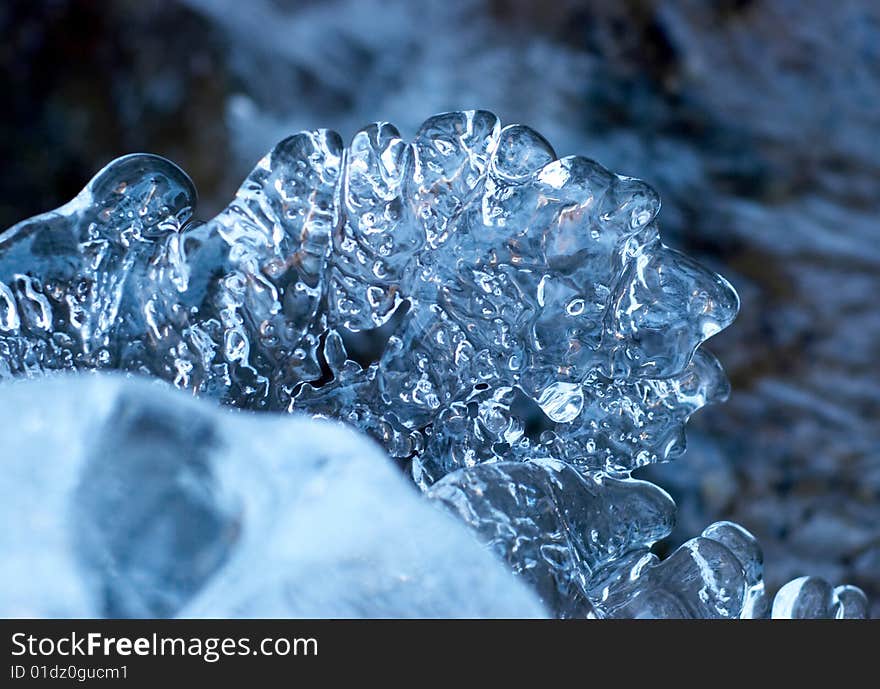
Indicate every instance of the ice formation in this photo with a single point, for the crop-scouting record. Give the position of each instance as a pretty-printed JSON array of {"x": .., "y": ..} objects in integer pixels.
[
  {"x": 533, "y": 340},
  {"x": 129, "y": 499}
]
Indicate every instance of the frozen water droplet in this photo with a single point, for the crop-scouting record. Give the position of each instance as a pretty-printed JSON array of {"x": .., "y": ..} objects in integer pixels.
[
  {"x": 804, "y": 598},
  {"x": 562, "y": 402}
]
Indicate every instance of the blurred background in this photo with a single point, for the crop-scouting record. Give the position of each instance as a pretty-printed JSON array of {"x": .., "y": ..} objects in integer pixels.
[{"x": 757, "y": 120}]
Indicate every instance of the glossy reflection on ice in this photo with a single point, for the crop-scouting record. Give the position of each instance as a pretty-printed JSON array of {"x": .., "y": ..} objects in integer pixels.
[
  {"x": 554, "y": 526},
  {"x": 525, "y": 341},
  {"x": 516, "y": 271},
  {"x": 814, "y": 598}
]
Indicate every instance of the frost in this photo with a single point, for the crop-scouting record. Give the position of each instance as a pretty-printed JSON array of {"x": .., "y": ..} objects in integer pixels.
[{"x": 533, "y": 340}]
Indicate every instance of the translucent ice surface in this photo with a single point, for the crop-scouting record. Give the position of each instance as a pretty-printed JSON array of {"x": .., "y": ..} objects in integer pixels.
[
  {"x": 814, "y": 598},
  {"x": 584, "y": 543},
  {"x": 122, "y": 498},
  {"x": 554, "y": 526},
  {"x": 506, "y": 323},
  {"x": 508, "y": 272}
]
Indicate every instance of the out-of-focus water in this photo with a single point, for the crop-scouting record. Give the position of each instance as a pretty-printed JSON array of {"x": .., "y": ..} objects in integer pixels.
[{"x": 757, "y": 122}]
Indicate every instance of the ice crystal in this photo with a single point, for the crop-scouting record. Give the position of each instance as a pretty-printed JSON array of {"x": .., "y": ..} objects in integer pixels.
[
  {"x": 511, "y": 273},
  {"x": 531, "y": 340}
]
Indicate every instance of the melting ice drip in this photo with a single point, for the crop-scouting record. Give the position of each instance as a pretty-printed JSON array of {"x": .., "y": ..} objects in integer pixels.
[{"x": 534, "y": 341}]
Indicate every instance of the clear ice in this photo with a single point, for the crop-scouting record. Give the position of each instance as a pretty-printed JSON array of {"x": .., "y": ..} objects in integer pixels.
[{"x": 506, "y": 323}]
